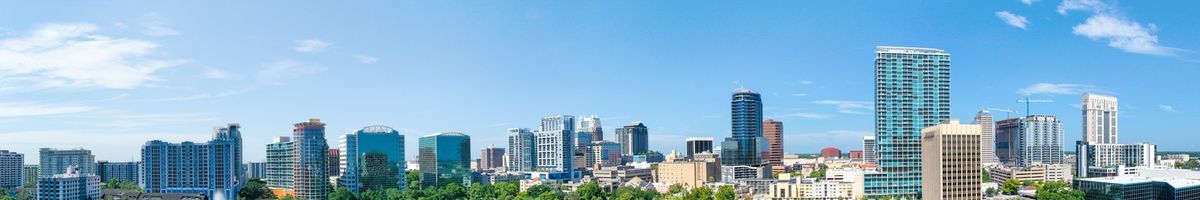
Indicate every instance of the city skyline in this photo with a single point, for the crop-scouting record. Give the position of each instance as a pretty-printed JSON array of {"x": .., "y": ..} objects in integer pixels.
[{"x": 481, "y": 73}]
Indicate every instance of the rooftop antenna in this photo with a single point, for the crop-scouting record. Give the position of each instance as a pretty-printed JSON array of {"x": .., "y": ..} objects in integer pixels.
[{"x": 1027, "y": 101}]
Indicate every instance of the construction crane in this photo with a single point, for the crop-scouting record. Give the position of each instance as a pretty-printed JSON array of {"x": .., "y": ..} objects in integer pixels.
[
  {"x": 1027, "y": 101},
  {"x": 1008, "y": 112}
]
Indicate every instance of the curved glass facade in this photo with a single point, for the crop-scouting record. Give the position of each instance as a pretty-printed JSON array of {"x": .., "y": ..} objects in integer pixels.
[
  {"x": 747, "y": 146},
  {"x": 373, "y": 158}
]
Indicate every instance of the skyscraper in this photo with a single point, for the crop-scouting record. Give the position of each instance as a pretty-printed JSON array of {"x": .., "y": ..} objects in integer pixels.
[
  {"x": 118, "y": 171},
  {"x": 773, "y": 131},
  {"x": 697, "y": 145},
  {"x": 634, "y": 139},
  {"x": 589, "y": 126},
  {"x": 69, "y": 184},
  {"x": 950, "y": 157},
  {"x": 444, "y": 158},
  {"x": 213, "y": 168},
  {"x": 373, "y": 158},
  {"x": 309, "y": 163},
  {"x": 1099, "y": 119},
  {"x": 1031, "y": 140},
  {"x": 555, "y": 143},
  {"x": 604, "y": 154},
  {"x": 55, "y": 161},
  {"x": 334, "y": 160},
  {"x": 279, "y": 163},
  {"x": 912, "y": 91},
  {"x": 1102, "y": 160},
  {"x": 987, "y": 141},
  {"x": 869, "y": 149},
  {"x": 521, "y": 150},
  {"x": 31, "y": 176},
  {"x": 256, "y": 170},
  {"x": 491, "y": 157},
  {"x": 11, "y": 166},
  {"x": 746, "y": 147}
]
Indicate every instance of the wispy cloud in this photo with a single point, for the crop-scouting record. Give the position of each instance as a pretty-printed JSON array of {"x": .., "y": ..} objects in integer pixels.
[
  {"x": 311, "y": 45},
  {"x": 1108, "y": 24},
  {"x": 799, "y": 94},
  {"x": 207, "y": 95},
  {"x": 24, "y": 109},
  {"x": 1012, "y": 19},
  {"x": 806, "y": 115},
  {"x": 365, "y": 59},
  {"x": 1058, "y": 89},
  {"x": 1167, "y": 108},
  {"x": 156, "y": 25},
  {"x": 1028, "y": 2},
  {"x": 848, "y": 107},
  {"x": 214, "y": 73},
  {"x": 279, "y": 72},
  {"x": 73, "y": 55}
]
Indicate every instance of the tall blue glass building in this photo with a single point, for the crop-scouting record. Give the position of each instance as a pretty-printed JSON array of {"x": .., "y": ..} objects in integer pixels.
[
  {"x": 747, "y": 147},
  {"x": 912, "y": 91},
  {"x": 213, "y": 168},
  {"x": 373, "y": 158},
  {"x": 444, "y": 158},
  {"x": 310, "y": 166}
]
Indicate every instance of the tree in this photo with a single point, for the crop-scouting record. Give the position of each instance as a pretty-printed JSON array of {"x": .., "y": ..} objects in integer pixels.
[
  {"x": 987, "y": 176},
  {"x": 1011, "y": 186},
  {"x": 289, "y": 197},
  {"x": 507, "y": 189},
  {"x": 590, "y": 191},
  {"x": 1058, "y": 190},
  {"x": 820, "y": 173},
  {"x": 343, "y": 193},
  {"x": 481, "y": 191},
  {"x": 1192, "y": 164},
  {"x": 452, "y": 190},
  {"x": 991, "y": 192},
  {"x": 725, "y": 192},
  {"x": 256, "y": 189},
  {"x": 121, "y": 185},
  {"x": 700, "y": 193}
]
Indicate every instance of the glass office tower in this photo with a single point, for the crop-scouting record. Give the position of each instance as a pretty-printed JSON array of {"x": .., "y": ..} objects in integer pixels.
[
  {"x": 747, "y": 146},
  {"x": 444, "y": 158},
  {"x": 912, "y": 91},
  {"x": 310, "y": 178},
  {"x": 373, "y": 158}
]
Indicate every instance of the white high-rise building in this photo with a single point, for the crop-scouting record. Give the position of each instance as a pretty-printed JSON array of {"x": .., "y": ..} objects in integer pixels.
[
  {"x": 556, "y": 143},
  {"x": 1090, "y": 158},
  {"x": 869, "y": 149},
  {"x": 1099, "y": 119},
  {"x": 11, "y": 164},
  {"x": 987, "y": 141},
  {"x": 521, "y": 150},
  {"x": 589, "y": 126}
]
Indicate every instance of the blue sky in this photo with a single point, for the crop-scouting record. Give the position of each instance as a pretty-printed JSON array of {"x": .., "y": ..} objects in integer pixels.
[{"x": 109, "y": 76}]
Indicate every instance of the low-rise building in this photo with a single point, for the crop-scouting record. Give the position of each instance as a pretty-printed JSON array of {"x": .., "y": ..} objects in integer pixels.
[
  {"x": 689, "y": 173},
  {"x": 1143, "y": 183},
  {"x": 1042, "y": 172},
  {"x": 808, "y": 189},
  {"x": 72, "y": 184},
  {"x": 621, "y": 174}
]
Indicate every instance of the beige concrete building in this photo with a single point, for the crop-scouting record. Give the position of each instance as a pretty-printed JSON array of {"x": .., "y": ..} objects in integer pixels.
[
  {"x": 804, "y": 189},
  {"x": 689, "y": 173},
  {"x": 950, "y": 164},
  {"x": 1099, "y": 119},
  {"x": 1041, "y": 172}
]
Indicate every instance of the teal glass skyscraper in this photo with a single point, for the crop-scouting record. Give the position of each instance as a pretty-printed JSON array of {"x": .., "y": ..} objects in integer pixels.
[
  {"x": 912, "y": 91},
  {"x": 747, "y": 147},
  {"x": 373, "y": 158},
  {"x": 444, "y": 158}
]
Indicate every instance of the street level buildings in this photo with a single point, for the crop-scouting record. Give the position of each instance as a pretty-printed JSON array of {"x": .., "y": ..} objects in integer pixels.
[
  {"x": 213, "y": 168},
  {"x": 950, "y": 161},
  {"x": 690, "y": 174},
  {"x": 912, "y": 91}
]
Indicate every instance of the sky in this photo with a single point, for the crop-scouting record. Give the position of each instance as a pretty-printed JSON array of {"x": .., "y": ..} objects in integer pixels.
[{"x": 111, "y": 75}]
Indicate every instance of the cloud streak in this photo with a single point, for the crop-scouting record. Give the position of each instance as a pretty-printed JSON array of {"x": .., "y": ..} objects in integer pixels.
[
  {"x": 73, "y": 56},
  {"x": 848, "y": 107},
  {"x": 281, "y": 71},
  {"x": 25, "y": 109},
  {"x": 1013, "y": 20},
  {"x": 311, "y": 45},
  {"x": 1057, "y": 89},
  {"x": 1167, "y": 108}
]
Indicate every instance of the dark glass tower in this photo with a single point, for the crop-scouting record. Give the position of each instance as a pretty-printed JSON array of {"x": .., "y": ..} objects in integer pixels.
[{"x": 747, "y": 146}]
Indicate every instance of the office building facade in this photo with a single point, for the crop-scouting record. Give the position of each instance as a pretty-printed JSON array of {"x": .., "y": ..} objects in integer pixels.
[
  {"x": 869, "y": 149},
  {"x": 1099, "y": 119},
  {"x": 1034, "y": 139},
  {"x": 634, "y": 139},
  {"x": 56, "y": 161},
  {"x": 1102, "y": 158},
  {"x": 987, "y": 141},
  {"x": 279, "y": 163},
  {"x": 604, "y": 154},
  {"x": 118, "y": 171},
  {"x": 746, "y": 146},
  {"x": 72, "y": 183},
  {"x": 213, "y": 168},
  {"x": 30, "y": 176},
  {"x": 522, "y": 152},
  {"x": 589, "y": 130},
  {"x": 697, "y": 145},
  {"x": 310, "y": 178},
  {"x": 444, "y": 158},
  {"x": 11, "y": 169},
  {"x": 492, "y": 158},
  {"x": 554, "y": 143},
  {"x": 256, "y": 170},
  {"x": 372, "y": 158},
  {"x": 950, "y": 161},
  {"x": 912, "y": 91},
  {"x": 773, "y": 132}
]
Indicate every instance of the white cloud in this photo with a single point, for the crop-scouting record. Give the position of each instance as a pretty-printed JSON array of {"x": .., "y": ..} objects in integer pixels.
[
  {"x": 1167, "y": 108},
  {"x": 71, "y": 55},
  {"x": 20, "y": 109},
  {"x": 214, "y": 73},
  {"x": 311, "y": 45},
  {"x": 1129, "y": 36},
  {"x": 1057, "y": 89},
  {"x": 157, "y": 25},
  {"x": 1095, "y": 6},
  {"x": 279, "y": 72},
  {"x": 1012, "y": 19},
  {"x": 364, "y": 59},
  {"x": 799, "y": 94},
  {"x": 848, "y": 107},
  {"x": 209, "y": 95},
  {"x": 806, "y": 82},
  {"x": 1028, "y": 2}
]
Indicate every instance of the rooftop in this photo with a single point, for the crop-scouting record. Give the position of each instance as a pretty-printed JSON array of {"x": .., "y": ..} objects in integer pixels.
[
  {"x": 1176, "y": 178},
  {"x": 909, "y": 50}
]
